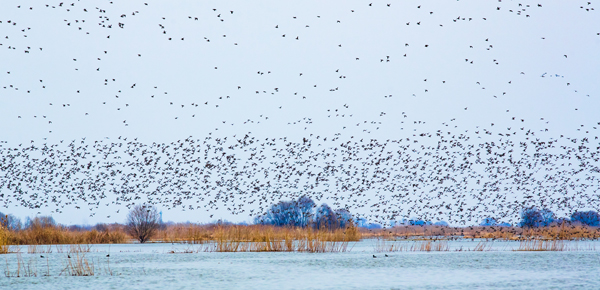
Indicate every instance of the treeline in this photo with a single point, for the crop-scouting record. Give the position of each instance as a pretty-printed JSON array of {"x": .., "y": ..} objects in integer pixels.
[
  {"x": 529, "y": 218},
  {"x": 13, "y": 223},
  {"x": 303, "y": 213},
  {"x": 534, "y": 217},
  {"x": 143, "y": 224}
]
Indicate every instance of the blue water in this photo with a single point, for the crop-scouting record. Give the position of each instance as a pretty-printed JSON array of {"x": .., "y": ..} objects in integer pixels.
[{"x": 154, "y": 266}]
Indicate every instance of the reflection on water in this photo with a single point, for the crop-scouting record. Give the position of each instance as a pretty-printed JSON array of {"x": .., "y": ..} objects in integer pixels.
[{"x": 168, "y": 266}]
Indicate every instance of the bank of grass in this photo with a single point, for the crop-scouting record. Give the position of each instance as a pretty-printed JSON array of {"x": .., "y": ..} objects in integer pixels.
[
  {"x": 258, "y": 238},
  {"x": 429, "y": 232},
  {"x": 225, "y": 237},
  {"x": 199, "y": 234},
  {"x": 57, "y": 235}
]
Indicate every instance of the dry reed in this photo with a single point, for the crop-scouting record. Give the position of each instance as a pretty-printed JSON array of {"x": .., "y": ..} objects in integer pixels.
[
  {"x": 483, "y": 246},
  {"x": 562, "y": 231},
  {"x": 542, "y": 245},
  {"x": 381, "y": 245},
  {"x": 5, "y": 246},
  {"x": 79, "y": 265},
  {"x": 198, "y": 234},
  {"x": 61, "y": 235},
  {"x": 430, "y": 246},
  {"x": 260, "y": 238},
  {"x": 24, "y": 269},
  {"x": 39, "y": 249}
]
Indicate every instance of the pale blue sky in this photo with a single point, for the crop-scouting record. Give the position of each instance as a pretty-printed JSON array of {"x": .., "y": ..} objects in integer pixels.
[{"x": 523, "y": 58}]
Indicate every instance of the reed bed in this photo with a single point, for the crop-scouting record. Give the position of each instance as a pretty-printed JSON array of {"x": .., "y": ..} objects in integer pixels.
[
  {"x": 542, "y": 245},
  {"x": 264, "y": 238},
  {"x": 430, "y": 246},
  {"x": 199, "y": 234},
  {"x": 72, "y": 248},
  {"x": 381, "y": 245},
  {"x": 39, "y": 249},
  {"x": 261, "y": 238},
  {"x": 5, "y": 246},
  {"x": 79, "y": 265},
  {"x": 187, "y": 233},
  {"x": 60, "y": 235},
  {"x": 24, "y": 269},
  {"x": 553, "y": 245},
  {"x": 562, "y": 231},
  {"x": 307, "y": 246},
  {"x": 483, "y": 246}
]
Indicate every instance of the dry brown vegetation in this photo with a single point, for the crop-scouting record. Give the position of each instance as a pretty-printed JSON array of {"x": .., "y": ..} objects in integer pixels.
[
  {"x": 553, "y": 232},
  {"x": 24, "y": 269},
  {"x": 382, "y": 245},
  {"x": 78, "y": 265},
  {"x": 219, "y": 238},
  {"x": 259, "y": 238},
  {"x": 198, "y": 234},
  {"x": 542, "y": 245},
  {"x": 54, "y": 235}
]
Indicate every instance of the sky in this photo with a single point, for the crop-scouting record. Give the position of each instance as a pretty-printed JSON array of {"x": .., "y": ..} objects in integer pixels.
[{"x": 162, "y": 71}]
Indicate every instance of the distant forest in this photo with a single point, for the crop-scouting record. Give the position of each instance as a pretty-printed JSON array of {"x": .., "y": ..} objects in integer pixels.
[{"x": 304, "y": 212}]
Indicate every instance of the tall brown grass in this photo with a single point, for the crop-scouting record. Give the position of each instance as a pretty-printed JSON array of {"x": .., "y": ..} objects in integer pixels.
[
  {"x": 217, "y": 238},
  {"x": 60, "y": 235},
  {"x": 198, "y": 234},
  {"x": 483, "y": 246},
  {"x": 542, "y": 245},
  {"x": 382, "y": 245},
  {"x": 262, "y": 238},
  {"x": 79, "y": 265},
  {"x": 553, "y": 232},
  {"x": 4, "y": 243},
  {"x": 24, "y": 269},
  {"x": 429, "y": 246}
]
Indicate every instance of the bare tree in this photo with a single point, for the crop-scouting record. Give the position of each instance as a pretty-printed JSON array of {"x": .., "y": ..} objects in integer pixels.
[{"x": 142, "y": 222}]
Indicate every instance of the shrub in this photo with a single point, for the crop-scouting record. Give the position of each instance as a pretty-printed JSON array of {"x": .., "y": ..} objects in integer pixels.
[
  {"x": 325, "y": 218},
  {"x": 305, "y": 205},
  {"x": 289, "y": 213},
  {"x": 533, "y": 217},
  {"x": 590, "y": 218},
  {"x": 283, "y": 213},
  {"x": 344, "y": 218},
  {"x": 300, "y": 214}
]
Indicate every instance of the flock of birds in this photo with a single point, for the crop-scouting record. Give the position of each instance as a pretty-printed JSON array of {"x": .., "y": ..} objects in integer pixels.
[
  {"x": 366, "y": 162},
  {"x": 434, "y": 176}
]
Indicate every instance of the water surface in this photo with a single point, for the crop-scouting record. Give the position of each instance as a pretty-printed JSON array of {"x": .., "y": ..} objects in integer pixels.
[{"x": 153, "y": 266}]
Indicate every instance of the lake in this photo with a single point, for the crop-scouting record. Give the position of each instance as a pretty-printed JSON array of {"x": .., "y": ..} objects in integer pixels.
[{"x": 167, "y": 266}]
